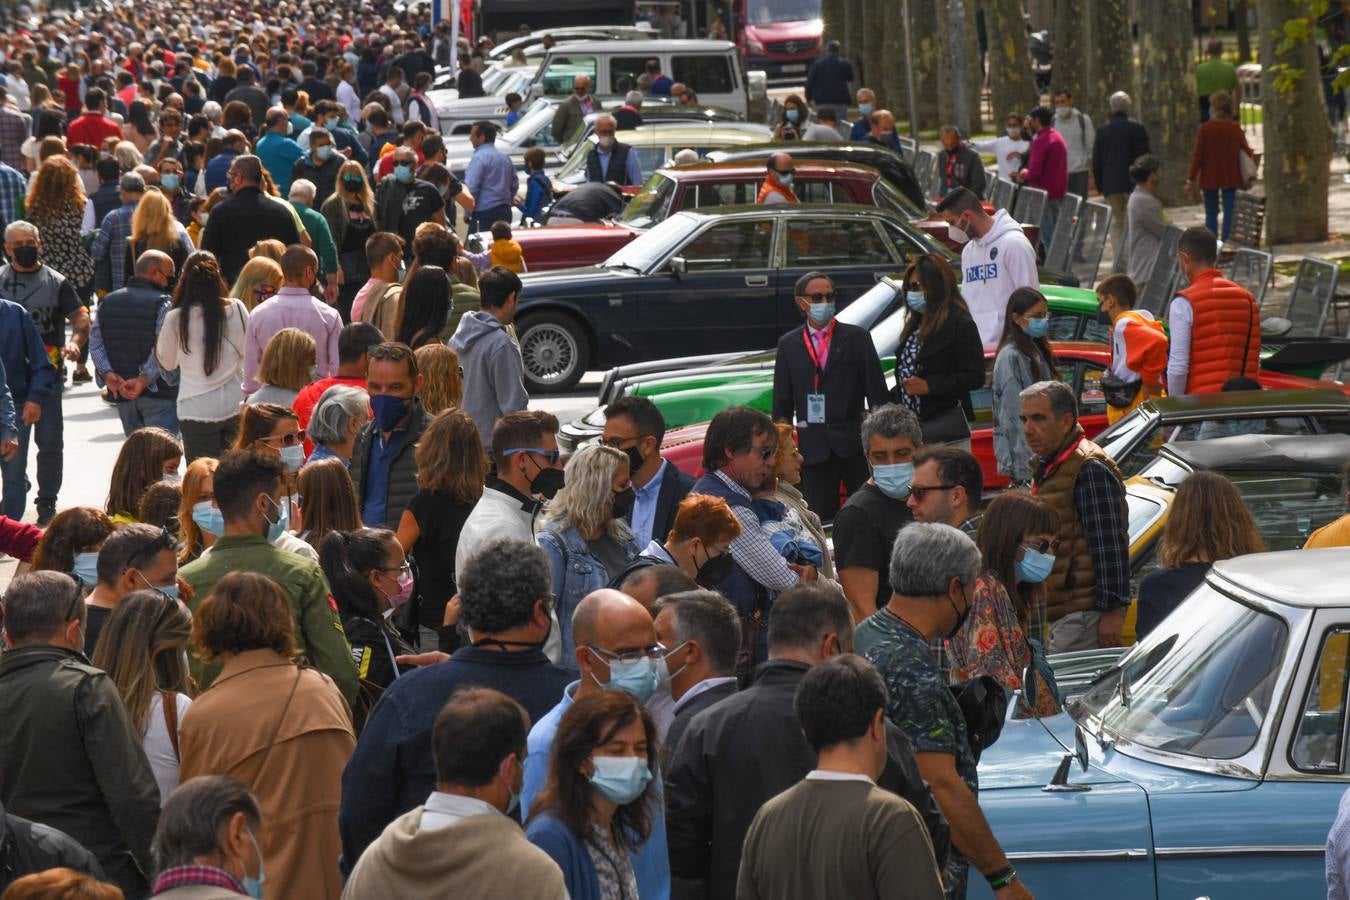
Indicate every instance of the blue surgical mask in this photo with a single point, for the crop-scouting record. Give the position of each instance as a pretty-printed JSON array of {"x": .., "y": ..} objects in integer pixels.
[
  {"x": 821, "y": 313},
  {"x": 209, "y": 518},
  {"x": 323, "y": 153},
  {"x": 403, "y": 173},
  {"x": 792, "y": 115},
  {"x": 865, "y": 108},
  {"x": 254, "y": 886},
  {"x": 169, "y": 181},
  {"x": 1037, "y": 327},
  {"x": 637, "y": 677},
  {"x": 168, "y": 590},
  {"x": 293, "y": 457},
  {"x": 1034, "y": 566},
  {"x": 86, "y": 568},
  {"x": 275, "y": 529},
  {"x": 620, "y": 779},
  {"x": 893, "y": 480},
  {"x": 917, "y": 300},
  {"x": 785, "y": 179},
  {"x": 388, "y": 410}
]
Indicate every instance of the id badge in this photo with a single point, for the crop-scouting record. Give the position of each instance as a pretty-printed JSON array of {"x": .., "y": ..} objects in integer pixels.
[{"x": 815, "y": 409}]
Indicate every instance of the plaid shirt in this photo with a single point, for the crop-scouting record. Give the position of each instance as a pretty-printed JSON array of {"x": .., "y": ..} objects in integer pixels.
[
  {"x": 111, "y": 241},
  {"x": 13, "y": 188},
  {"x": 15, "y": 127},
  {"x": 752, "y": 549},
  {"x": 1100, "y": 501},
  {"x": 192, "y": 876}
]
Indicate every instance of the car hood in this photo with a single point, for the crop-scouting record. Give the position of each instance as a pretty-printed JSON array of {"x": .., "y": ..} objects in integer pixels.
[
  {"x": 555, "y": 235},
  {"x": 592, "y": 279},
  {"x": 463, "y": 109},
  {"x": 1027, "y": 754}
]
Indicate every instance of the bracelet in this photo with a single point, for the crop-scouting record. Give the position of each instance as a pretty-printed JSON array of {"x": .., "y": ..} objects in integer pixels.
[{"x": 1002, "y": 878}]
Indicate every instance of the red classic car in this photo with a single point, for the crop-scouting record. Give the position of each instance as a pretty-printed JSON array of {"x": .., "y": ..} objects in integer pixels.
[{"x": 1080, "y": 365}]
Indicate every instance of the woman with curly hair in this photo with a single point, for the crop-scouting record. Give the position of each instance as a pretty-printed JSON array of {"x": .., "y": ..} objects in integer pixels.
[
  {"x": 56, "y": 206},
  {"x": 71, "y": 543},
  {"x": 153, "y": 227},
  {"x": 442, "y": 377}
]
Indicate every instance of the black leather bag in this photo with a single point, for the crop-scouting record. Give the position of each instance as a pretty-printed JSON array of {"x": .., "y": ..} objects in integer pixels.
[
  {"x": 984, "y": 705},
  {"x": 946, "y": 427},
  {"x": 1119, "y": 392}
]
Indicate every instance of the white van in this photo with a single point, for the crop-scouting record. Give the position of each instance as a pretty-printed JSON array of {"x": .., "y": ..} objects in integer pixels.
[{"x": 712, "y": 69}]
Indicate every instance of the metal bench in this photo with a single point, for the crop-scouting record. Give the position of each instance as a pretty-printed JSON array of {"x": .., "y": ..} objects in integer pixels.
[
  {"x": 925, "y": 165},
  {"x": 1249, "y": 217},
  {"x": 1312, "y": 297},
  {"x": 1089, "y": 242},
  {"x": 1156, "y": 294},
  {"x": 1251, "y": 269},
  {"x": 1001, "y": 194},
  {"x": 1030, "y": 206},
  {"x": 1066, "y": 233}
]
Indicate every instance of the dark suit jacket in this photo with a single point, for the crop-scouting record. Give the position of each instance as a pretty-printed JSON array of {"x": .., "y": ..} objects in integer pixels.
[
  {"x": 675, "y": 486},
  {"x": 852, "y": 380},
  {"x": 1119, "y": 142},
  {"x": 686, "y": 714},
  {"x": 951, "y": 360},
  {"x": 239, "y": 222}
]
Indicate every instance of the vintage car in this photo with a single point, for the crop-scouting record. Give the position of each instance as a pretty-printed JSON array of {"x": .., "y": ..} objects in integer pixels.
[
  {"x": 893, "y": 167},
  {"x": 657, "y": 144},
  {"x": 1207, "y": 761}
]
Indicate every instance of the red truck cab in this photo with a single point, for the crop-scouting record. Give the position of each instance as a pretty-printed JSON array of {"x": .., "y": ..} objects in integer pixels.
[{"x": 779, "y": 37}]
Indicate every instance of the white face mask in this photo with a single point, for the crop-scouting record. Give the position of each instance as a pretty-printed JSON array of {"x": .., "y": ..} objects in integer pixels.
[{"x": 1063, "y": 111}]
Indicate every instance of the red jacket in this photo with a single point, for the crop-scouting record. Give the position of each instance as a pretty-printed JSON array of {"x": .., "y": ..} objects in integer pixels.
[
  {"x": 1215, "y": 157},
  {"x": 18, "y": 539},
  {"x": 92, "y": 129},
  {"x": 1048, "y": 163},
  {"x": 1225, "y": 332}
]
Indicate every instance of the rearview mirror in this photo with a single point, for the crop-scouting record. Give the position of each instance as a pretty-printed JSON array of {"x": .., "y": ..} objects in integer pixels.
[{"x": 676, "y": 266}]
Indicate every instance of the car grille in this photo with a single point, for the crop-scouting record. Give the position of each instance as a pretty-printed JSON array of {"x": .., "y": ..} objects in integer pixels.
[{"x": 790, "y": 48}]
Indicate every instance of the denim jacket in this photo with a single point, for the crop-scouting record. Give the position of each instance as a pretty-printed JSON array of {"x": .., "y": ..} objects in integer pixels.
[{"x": 575, "y": 572}]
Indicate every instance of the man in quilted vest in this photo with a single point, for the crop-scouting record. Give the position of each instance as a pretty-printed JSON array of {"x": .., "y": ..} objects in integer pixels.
[
  {"x": 1214, "y": 324},
  {"x": 1088, "y": 589}
]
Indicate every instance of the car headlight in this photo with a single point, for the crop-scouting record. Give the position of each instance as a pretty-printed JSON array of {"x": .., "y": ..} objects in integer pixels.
[{"x": 755, "y": 45}]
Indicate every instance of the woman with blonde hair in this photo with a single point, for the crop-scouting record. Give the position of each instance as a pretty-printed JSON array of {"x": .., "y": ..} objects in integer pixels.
[
  {"x": 146, "y": 658},
  {"x": 329, "y": 500},
  {"x": 287, "y": 366},
  {"x": 127, "y": 156},
  {"x": 442, "y": 377},
  {"x": 153, "y": 227},
  {"x": 350, "y": 213},
  {"x": 1208, "y": 522},
  {"x": 258, "y": 281},
  {"x": 451, "y": 470},
  {"x": 199, "y": 520},
  {"x": 56, "y": 205},
  {"x": 148, "y": 455},
  {"x": 584, "y": 533},
  {"x": 270, "y": 248}
]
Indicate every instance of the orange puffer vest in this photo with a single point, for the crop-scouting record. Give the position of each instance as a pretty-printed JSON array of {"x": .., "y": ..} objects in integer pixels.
[
  {"x": 1225, "y": 332},
  {"x": 770, "y": 186}
]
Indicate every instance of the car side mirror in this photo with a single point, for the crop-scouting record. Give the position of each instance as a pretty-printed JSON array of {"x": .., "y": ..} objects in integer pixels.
[
  {"x": 677, "y": 266},
  {"x": 1080, "y": 749},
  {"x": 1059, "y": 782}
]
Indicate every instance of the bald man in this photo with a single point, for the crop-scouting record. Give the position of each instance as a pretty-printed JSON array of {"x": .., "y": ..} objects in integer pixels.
[
  {"x": 122, "y": 346},
  {"x": 616, "y": 650},
  {"x": 777, "y": 187}
]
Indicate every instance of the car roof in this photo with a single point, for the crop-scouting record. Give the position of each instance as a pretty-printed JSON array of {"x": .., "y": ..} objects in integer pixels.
[
  {"x": 1313, "y": 453},
  {"x": 647, "y": 46},
  {"x": 806, "y": 148},
  {"x": 1303, "y": 578},
  {"x": 1249, "y": 402},
  {"x": 707, "y": 171},
  {"x": 660, "y": 133},
  {"x": 786, "y": 209}
]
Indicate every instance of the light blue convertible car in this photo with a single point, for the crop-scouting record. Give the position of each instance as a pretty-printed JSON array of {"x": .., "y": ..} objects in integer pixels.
[{"x": 1206, "y": 762}]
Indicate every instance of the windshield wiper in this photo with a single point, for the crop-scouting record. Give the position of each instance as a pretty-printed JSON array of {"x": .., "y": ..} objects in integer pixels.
[{"x": 623, "y": 265}]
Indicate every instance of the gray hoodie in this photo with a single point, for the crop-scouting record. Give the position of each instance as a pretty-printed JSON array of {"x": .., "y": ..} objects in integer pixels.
[{"x": 494, "y": 374}]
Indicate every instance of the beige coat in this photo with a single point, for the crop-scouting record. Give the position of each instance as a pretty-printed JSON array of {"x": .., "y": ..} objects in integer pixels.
[
  {"x": 227, "y": 732},
  {"x": 381, "y": 309}
]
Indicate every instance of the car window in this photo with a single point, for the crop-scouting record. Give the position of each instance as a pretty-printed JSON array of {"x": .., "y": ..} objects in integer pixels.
[
  {"x": 543, "y": 137},
  {"x": 982, "y": 399},
  {"x": 815, "y": 192},
  {"x": 731, "y": 245},
  {"x": 886, "y": 196},
  {"x": 624, "y": 72},
  {"x": 829, "y": 243},
  {"x": 908, "y": 246},
  {"x": 1142, "y": 513},
  {"x": 731, "y": 194},
  {"x": 1319, "y": 739},
  {"x": 1091, "y": 398},
  {"x": 1288, "y": 507},
  {"x": 651, "y": 204},
  {"x": 651, "y": 158},
  {"x": 706, "y": 74},
  {"x": 1063, "y": 326},
  {"x": 575, "y": 65},
  {"x": 1208, "y": 428}
]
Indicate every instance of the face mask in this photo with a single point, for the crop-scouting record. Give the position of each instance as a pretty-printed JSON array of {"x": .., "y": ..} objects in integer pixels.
[
  {"x": 663, "y": 671},
  {"x": 714, "y": 568},
  {"x": 634, "y": 458},
  {"x": 1063, "y": 112},
  {"x": 792, "y": 115},
  {"x": 957, "y": 233},
  {"x": 172, "y": 478},
  {"x": 254, "y": 886},
  {"x": 1014, "y": 132},
  {"x": 169, "y": 181},
  {"x": 389, "y": 411},
  {"x": 275, "y": 529},
  {"x": 170, "y": 591},
  {"x": 405, "y": 587},
  {"x": 403, "y": 173},
  {"x": 547, "y": 483},
  {"x": 620, "y": 779},
  {"x": 784, "y": 178},
  {"x": 323, "y": 153},
  {"x": 26, "y": 256},
  {"x": 865, "y": 108},
  {"x": 606, "y": 142},
  {"x": 86, "y": 568},
  {"x": 622, "y": 502},
  {"x": 352, "y": 184},
  {"x": 1037, "y": 328},
  {"x": 637, "y": 678},
  {"x": 917, "y": 300},
  {"x": 313, "y": 373},
  {"x": 1034, "y": 566},
  {"x": 893, "y": 480},
  {"x": 820, "y": 313},
  {"x": 208, "y": 518},
  {"x": 201, "y": 218},
  {"x": 293, "y": 457},
  {"x": 961, "y": 616}
]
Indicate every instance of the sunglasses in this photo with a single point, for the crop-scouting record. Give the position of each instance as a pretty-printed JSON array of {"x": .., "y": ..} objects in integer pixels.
[
  {"x": 265, "y": 290},
  {"x": 1051, "y": 547},
  {"x": 162, "y": 541},
  {"x": 390, "y": 350},
  {"x": 286, "y": 440},
  {"x": 921, "y": 492},
  {"x": 551, "y": 456},
  {"x": 820, "y": 296}
]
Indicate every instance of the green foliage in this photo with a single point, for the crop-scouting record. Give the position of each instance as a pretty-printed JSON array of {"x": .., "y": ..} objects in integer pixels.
[{"x": 1299, "y": 30}]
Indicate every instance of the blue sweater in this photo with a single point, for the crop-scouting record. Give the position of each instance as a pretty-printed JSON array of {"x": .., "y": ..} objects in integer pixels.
[
  {"x": 549, "y": 834},
  {"x": 28, "y": 369}
]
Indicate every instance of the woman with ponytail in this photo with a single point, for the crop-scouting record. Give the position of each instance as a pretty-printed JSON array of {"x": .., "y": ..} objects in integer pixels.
[{"x": 370, "y": 579}]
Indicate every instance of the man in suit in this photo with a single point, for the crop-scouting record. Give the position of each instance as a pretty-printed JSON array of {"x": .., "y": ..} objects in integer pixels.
[
  {"x": 572, "y": 112},
  {"x": 635, "y": 426},
  {"x": 701, "y": 632},
  {"x": 824, "y": 375}
]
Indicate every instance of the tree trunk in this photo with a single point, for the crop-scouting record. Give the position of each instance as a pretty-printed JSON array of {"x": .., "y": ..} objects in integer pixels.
[
  {"x": 892, "y": 76},
  {"x": 1072, "y": 25},
  {"x": 1012, "y": 84},
  {"x": 1297, "y": 161},
  {"x": 1244, "y": 32},
  {"x": 852, "y": 30},
  {"x": 930, "y": 47},
  {"x": 1167, "y": 104},
  {"x": 1112, "y": 59},
  {"x": 874, "y": 51}
]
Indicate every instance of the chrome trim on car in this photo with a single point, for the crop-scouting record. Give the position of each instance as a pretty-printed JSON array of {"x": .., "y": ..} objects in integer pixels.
[
  {"x": 1077, "y": 855},
  {"x": 1244, "y": 850}
]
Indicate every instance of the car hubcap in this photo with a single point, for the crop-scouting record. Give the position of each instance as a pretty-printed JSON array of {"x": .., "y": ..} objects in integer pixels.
[{"x": 549, "y": 352}]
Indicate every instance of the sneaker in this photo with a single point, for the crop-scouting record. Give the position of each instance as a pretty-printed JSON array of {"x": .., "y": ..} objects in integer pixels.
[
  {"x": 45, "y": 513},
  {"x": 81, "y": 376}
]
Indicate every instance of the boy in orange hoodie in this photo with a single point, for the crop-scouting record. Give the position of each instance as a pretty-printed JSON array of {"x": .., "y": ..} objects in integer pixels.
[
  {"x": 505, "y": 251},
  {"x": 1138, "y": 348}
]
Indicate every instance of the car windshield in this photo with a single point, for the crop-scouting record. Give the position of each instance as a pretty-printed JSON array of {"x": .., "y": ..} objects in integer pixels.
[
  {"x": 652, "y": 246},
  {"x": 652, "y": 203},
  {"x": 1200, "y": 684},
  {"x": 767, "y": 12},
  {"x": 576, "y": 162},
  {"x": 524, "y": 130}
]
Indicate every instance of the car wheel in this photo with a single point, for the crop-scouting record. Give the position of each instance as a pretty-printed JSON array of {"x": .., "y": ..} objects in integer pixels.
[{"x": 555, "y": 349}]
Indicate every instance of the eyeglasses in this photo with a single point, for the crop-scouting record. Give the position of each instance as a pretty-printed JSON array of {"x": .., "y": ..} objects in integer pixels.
[
  {"x": 552, "y": 456},
  {"x": 1051, "y": 547},
  {"x": 286, "y": 440},
  {"x": 405, "y": 569},
  {"x": 820, "y": 296},
  {"x": 618, "y": 442},
  {"x": 920, "y": 491},
  {"x": 264, "y": 291},
  {"x": 653, "y": 651}
]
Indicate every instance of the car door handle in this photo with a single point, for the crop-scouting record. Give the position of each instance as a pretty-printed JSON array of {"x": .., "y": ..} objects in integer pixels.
[{"x": 756, "y": 280}]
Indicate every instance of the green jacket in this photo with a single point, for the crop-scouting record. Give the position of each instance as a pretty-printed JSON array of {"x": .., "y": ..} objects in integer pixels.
[
  {"x": 71, "y": 759},
  {"x": 321, "y": 236},
  {"x": 318, "y": 630}
]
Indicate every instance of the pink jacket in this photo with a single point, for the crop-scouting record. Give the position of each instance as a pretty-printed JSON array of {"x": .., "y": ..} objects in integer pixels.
[{"x": 1048, "y": 163}]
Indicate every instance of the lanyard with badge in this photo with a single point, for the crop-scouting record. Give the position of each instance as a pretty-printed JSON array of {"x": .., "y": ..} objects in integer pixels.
[{"x": 815, "y": 401}]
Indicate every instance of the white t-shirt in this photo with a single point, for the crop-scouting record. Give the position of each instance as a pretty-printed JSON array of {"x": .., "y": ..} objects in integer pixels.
[
  {"x": 158, "y": 747},
  {"x": 1002, "y": 148}
]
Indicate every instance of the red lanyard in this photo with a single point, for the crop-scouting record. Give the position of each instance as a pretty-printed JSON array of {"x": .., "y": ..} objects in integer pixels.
[
  {"x": 811, "y": 350},
  {"x": 1058, "y": 461}
]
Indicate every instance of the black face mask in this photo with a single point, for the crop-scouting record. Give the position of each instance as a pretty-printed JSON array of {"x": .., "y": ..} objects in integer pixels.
[
  {"x": 714, "y": 569},
  {"x": 546, "y": 483},
  {"x": 1103, "y": 318},
  {"x": 961, "y": 616},
  {"x": 622, "y": 502},
  {"x": 26, "y": 256},
  {"x": 635, "y": 459}
]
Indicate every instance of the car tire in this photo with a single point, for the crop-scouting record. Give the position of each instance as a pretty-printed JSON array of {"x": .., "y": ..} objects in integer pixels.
[{"x": 555, "y": 349}]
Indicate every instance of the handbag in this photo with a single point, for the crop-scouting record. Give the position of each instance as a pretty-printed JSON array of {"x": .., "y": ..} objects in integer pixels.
[
  {"x": 984, "y": 706},
  {"x": 1246, "y": 167},
  {"x": 946, "y": 427},
  {"x": 1118, "y": 392}
]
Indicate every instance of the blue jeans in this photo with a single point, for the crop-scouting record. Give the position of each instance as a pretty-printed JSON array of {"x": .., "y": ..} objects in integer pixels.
[
  {"x": 147, "y": 410},
  {"x": 1212, "y": 210},
  {"x": 483, "y": 217},
  {"x": 50, "y": 431}
]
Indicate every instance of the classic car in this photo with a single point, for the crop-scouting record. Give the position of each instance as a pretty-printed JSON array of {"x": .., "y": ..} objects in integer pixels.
[
  {"x": 719, "y": 282},
  {"x": 656, "y": 145},
  {"x": 892, "y": 166},
  {"x": 532, "y": 43},
  {"x": 698, "y": 186},
  {"x": 457, "y": 116},
  {"x": 1208, "y": 760}
]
